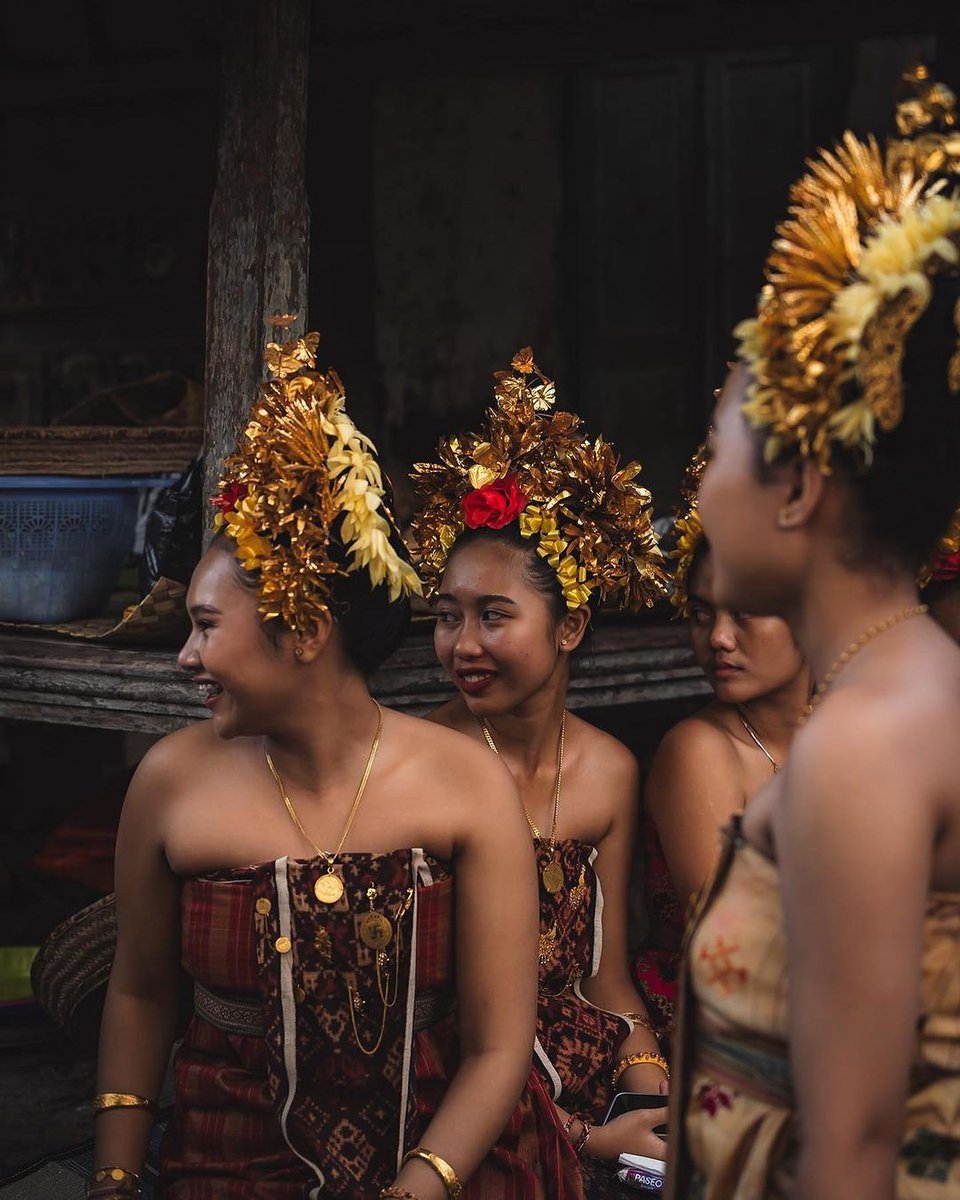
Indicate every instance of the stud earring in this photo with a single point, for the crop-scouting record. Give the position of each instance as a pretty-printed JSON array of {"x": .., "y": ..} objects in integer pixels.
[{"x": 299, "y": 652}]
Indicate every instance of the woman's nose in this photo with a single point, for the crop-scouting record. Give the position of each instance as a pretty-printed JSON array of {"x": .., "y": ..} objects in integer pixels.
[
  {"x": 188, "y": 659},
  {"x": 468, "y": 640},
  {"x": 723, "y": 635}
]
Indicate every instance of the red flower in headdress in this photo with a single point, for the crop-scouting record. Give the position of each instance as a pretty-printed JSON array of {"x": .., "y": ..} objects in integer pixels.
[
  {"x": 946, "y": 566},
  {"x": 227, "y": 500},
  {"x": 495, "y": 504}
]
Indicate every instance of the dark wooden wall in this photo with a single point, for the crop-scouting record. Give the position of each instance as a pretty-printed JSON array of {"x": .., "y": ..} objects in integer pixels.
[{"x": 664, "y": 134}]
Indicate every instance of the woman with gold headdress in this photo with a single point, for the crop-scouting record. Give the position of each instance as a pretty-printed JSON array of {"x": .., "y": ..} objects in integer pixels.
[
  {"x": 361, "y": 1027},
  {"x": 710, "y": 764},
  {"x": 522, "y": 527},
  {"x": 820, "y": 1043}
]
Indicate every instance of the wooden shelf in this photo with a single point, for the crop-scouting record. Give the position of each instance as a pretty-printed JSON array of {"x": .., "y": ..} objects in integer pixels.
[{"x": 78, "y": 683}]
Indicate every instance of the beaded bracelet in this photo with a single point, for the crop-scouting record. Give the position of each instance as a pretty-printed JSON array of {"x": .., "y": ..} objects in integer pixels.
[
  {"x": 584, "y": 1135},
  {"x": 636, "y": 1060}
]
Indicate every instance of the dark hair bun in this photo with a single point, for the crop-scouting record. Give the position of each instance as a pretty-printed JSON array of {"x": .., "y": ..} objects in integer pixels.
[
  {"x": 911, "y": 490},
  {"x": 372, "y": 626}
]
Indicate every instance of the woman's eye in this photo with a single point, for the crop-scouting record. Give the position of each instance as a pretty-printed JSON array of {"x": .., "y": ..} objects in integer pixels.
[
  {"x": 444, "y": 617},
  {"x": 203, "y": 626},
  {"x": 700, "y": 616},
  {"x": 492, "y": 614}
]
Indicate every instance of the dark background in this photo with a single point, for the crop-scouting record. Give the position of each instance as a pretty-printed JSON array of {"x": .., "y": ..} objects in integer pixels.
[{"x": 598, "y": 179}]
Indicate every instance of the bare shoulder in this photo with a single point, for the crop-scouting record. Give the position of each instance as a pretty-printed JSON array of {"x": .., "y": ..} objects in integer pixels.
[
  {"x": 695, "y": 744},
  {"x": 181, "y": 760},
  {"x": 870, "y": 747},
  {"x": 609, "y": 759},
  {"x": 437, "y": 758}
]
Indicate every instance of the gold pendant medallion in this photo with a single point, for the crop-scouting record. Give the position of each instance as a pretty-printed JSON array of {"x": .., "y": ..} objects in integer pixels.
[
  {"x": 552, "y": 876},
  {"x": 329, "y": 888},
  {"x": 375, "y": 930}
]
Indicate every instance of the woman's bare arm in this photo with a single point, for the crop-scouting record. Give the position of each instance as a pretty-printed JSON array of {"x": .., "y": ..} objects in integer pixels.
[
  {"x": 496, "y": 956},
  {"x": 854, "y": 841},
  {"x": 693, "y": 790},
  {"x": 612, "y": 987},
  {"x": 140, "y": 1014}
]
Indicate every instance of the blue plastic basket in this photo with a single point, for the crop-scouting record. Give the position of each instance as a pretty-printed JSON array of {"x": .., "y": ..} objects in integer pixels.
[{"x": 63, "y": 540}]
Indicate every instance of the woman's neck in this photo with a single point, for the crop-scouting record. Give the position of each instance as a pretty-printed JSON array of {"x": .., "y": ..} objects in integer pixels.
[
  {"x": 775, "y": 714},
  {"x": 839, "y": 605},
  {"x": 322, "y": 735},
  {"x": 528, "y": 734}
]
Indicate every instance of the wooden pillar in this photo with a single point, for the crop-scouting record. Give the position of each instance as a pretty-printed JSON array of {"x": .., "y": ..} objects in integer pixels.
[{"x": 259, "y": 217}]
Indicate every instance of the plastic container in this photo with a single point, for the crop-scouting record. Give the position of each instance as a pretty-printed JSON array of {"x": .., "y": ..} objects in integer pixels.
[{"x": 63, "y": 540}]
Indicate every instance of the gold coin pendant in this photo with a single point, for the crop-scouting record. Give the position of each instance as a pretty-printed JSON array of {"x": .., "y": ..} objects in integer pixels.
[
  {"x": 552, "y": 876},
  {"x": 329, "y": 888},
  {"x": 375, "y": 930}
]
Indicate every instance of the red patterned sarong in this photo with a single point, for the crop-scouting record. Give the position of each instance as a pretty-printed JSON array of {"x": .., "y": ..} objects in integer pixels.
[{"x": 297, "y": 1106}]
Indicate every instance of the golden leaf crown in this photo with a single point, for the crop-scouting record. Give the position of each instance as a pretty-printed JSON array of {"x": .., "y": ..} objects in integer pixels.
[
  {"x": 302, "y": 496},
  {"x": 848, "y": 276},
  {"x": 687, "y": 533},
  {"x": 591, "y": 518}
]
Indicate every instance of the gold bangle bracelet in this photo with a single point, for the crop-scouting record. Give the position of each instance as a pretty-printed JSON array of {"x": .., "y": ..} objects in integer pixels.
[
  {"x": 442, "y": 1168},
  {"x": 640, "y": 1019},
  {"x": 637, "y": 1060},
  {"x": 107, "y": 1100}
]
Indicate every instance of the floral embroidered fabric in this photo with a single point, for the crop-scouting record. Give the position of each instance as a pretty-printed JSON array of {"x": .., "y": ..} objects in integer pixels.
[{"x": 737, "y": 1139}]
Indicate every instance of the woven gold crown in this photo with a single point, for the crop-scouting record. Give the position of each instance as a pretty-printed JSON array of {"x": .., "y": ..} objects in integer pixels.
[
  {"x": 533, "y": 464},
  {"x": 303, "y": 497},
  {"x": 847, "y": 278}
]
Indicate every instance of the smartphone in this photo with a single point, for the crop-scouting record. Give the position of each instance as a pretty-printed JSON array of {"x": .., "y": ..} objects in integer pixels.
[{"x": 624, "y": 1102}]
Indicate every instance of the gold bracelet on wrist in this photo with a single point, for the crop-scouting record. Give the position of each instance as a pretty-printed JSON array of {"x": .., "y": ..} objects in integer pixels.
[
  {"x": 449, "y": 1176},
  {"x": 113, "y": 1181},
  {"x": 640, "y": 1019},
  {"x": 637, "y": 1060},
  {"x": 107, "y": 1100}
]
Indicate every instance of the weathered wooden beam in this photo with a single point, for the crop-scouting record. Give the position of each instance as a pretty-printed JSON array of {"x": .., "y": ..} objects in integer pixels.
[
  {"x": 259, "y": 218},
  {"x": 71, "y": 683}
]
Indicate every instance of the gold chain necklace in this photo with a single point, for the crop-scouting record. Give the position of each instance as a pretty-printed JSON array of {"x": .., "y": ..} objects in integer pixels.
[
  {"x": 552, "y": 873},
  {"x": 756, "y": 738},
  {"x": 329, "y": 887},
  {"x": 915, "y": 610}
]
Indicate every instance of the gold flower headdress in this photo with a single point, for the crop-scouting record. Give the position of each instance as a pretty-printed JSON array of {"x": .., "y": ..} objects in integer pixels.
[
  {"x": 847, "y": 278},
  {"x": 687, "y": 533},
  {"x": 303, "y": 497},
  {"x": 532, "y": 464}
]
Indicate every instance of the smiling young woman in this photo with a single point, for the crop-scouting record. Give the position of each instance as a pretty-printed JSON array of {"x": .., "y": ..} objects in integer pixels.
[
  {"x": 524, "y": 526},
  {"x": 333, "y": 878},
  {"x": 820, "y": 1042}
]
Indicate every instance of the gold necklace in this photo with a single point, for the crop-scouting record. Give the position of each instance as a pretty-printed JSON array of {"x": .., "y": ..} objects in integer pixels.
[
  {"x": 552, "y": 873},
  {"x": 915, "y": 610},
  {"x": 756, "y": 738},
  {"x": 329, "y": 887}
]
